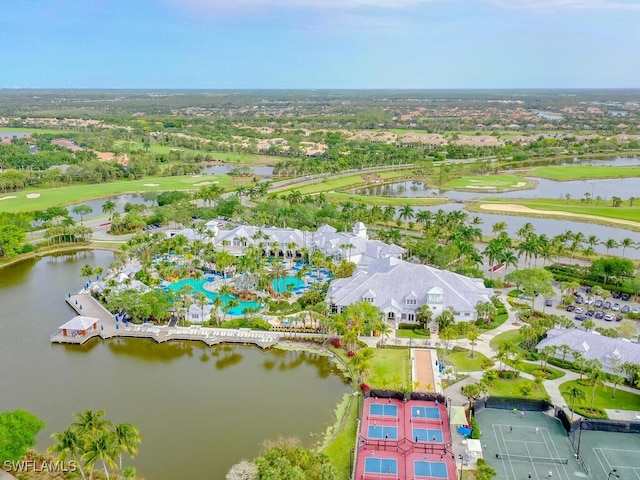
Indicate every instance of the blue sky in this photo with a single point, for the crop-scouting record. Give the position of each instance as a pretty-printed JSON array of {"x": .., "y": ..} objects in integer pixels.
[{"x": 320, "y": 43}]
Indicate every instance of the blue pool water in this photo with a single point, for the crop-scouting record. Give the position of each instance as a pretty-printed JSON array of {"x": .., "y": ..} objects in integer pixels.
[
  {"x": 281, "y": 285},
  {"x": 196, "y": 285}
]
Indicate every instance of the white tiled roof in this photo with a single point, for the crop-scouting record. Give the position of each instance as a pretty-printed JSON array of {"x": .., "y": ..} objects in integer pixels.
[
  {"x": 593, "y": 345},
  {"x": 394, "y": 279}
]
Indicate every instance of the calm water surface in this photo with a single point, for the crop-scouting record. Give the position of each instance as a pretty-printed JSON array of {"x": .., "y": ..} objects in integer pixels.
[{"x": 200, "y": 409}]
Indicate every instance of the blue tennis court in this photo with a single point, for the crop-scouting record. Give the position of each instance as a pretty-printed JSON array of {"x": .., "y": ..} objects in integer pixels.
[
  {"x": 427, "y": 435},
  {"x": 381, "y": 465},
  {"x": 380, "y": 431},
  {"x": 423, "y": 468},
  {"x": 425, "y": 412},
  {"x": 385, "y": 410}
]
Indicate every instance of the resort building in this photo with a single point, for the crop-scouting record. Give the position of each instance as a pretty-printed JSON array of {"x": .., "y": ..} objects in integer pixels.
[
  {"x": 354, "y": 246},
  {"x": 611, "y": 352},
  {"x": 199, "y": 313},
  {"x": 399, "y": 288}
]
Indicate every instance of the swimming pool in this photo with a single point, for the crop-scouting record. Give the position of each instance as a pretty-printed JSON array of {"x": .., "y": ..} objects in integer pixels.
[
  {"x": 197, "y": 286},
  {"x": 281, "y": 285}
]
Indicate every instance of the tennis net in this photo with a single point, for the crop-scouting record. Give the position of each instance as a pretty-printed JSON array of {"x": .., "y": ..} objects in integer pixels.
[{"x": 525, "y": 458}]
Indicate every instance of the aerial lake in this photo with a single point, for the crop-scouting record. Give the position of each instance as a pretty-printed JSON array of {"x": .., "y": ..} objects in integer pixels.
[{"x": 199, "y": 409}]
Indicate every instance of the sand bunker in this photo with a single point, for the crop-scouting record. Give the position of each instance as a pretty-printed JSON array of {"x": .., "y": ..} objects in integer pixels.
[
  {"x": 482, "y": 187},
  {"x": 513, "y": 208},
  {"x": 151, "y": 185},
  {"x": 9, "y": 197},
  {"x": 33, "y": 195},
  {"x": 202, "y": 184},
  {"x": 520, "y": 184}
]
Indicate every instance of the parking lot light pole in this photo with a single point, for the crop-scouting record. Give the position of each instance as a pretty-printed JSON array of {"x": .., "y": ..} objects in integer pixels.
[{"x": 461, "y": 463}]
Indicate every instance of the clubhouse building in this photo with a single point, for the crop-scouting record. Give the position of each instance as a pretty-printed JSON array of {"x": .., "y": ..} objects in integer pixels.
[{"x": 399, "y": 288}]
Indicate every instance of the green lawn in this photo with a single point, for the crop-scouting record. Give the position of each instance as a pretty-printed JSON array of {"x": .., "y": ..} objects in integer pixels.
[
  {"x": 338, "y": 450},
  {"x": 421, "y": 334},
  {"x": 511, "y": 389},
  {"x": 623, "y": 401},
  {"x": 35, "y": 130},
  {"x": 511, "y": 337},
  {"x": 461, "y": 359},
  {"x": 388, "y": 366},
  {"x": 602, "y": 209},
  {"x": 532, "y": 367},
  {"x": 583, "y": 172},
  {"x": 50, "y": 197},
  {"x": 500, "y": 182},
  {"x": 230, "y": 157}
]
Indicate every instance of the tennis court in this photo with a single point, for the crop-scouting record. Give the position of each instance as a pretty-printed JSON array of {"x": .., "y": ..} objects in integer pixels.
[
  {"x": 604, "y": 452},
  {"x": 518, "y": 445},
  {"x": 426, "y": 469},
  {"x": 385, "y": 410},
  {"x": 381, "y": 431},
  {"x": 380, "y": 465},
  {"x": 427, "y": 435},
  {"x": 425, "y": 412}
]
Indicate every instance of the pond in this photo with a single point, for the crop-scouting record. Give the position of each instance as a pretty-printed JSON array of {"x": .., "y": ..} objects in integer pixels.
[
  {"x": 604, "y": 188},
  {"x": 264, "y": 171},
  {"x": 198, "y": 408}
]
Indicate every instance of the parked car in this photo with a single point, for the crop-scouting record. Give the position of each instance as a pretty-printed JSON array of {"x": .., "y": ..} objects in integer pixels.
[
  {"x": 635, "y": 310},
  {"x": 598, "y": 304},
  {"x": 590, "y": 313},
  {"x": 579, "y": 310},
  {"x": 615, "y": 307},
  {"x": 571, "y": 308},
  {"x": 625, "y": 309},
  {"x": 606, "y": 305},
  {"x": 579, "y": 299},
  {"x": 625, "y": 296},
  {"x": 615, "y": 294},
  {"x": 580, "y": 317},
  {"x": 609, "y": 317},
  {"x": 589, "y": 300},
  {"x": 548, "y": 303},
  {"x": 599, "y": 315},
  {"x": 618, "y": 318}
]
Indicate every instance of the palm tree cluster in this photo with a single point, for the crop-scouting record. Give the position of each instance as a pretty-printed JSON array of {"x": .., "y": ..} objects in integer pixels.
[{"x": 92, "y": 439}]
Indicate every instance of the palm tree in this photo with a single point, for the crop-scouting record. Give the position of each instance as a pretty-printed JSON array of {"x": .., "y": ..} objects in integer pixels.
[
  {"x": 508, "y": 258},
  {"x": 127, "y": 439},
  {"x": 575, "y": 393},
  {"x": 610, "y": 243},
  {"x": 109, "y": 207},
  {"x": 68, "y": 445},
  {"x": 102, "y": 447},
  {"x": 90, "y": 422},
  {"x": 499, "y": 227},
  {"x": 627, "y": 243},
  {"x": 406, "y": 214},
  {"x": 565, "y": 350},
  {"x": 278, "y": 273},
  {"x": 616, "y": 380},
  {"x": 596, "y": 379}
]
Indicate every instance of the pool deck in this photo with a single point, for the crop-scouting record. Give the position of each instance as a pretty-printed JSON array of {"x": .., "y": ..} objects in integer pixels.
[{"x": 85, "y": 304}]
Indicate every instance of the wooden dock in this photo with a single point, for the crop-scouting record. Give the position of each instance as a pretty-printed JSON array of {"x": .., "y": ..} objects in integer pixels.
[{"x": 85, "y": 304}]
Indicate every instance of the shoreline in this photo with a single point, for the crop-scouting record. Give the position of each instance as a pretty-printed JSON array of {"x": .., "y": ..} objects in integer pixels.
[{"x": 39, "y": 254}]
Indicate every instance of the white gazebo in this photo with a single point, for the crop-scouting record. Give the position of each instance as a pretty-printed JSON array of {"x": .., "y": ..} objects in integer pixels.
[{"x": 79, "y": 326}]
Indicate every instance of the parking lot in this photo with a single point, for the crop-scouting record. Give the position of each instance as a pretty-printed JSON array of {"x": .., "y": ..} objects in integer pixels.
[{"x": 606, "y": 312}]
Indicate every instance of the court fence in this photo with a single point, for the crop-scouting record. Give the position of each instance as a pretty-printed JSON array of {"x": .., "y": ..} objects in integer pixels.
[
  {"x": 506, "y": 403},
  {"x": 402, "y": 396}
]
